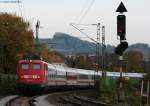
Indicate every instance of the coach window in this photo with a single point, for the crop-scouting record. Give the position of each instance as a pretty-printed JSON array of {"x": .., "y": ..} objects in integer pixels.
[
  {"x": 82, "y": 76},
  {"x": 93, "y": 77},
  {"x": 24, "y": 66},
  {"x": 36, "y": 66}
]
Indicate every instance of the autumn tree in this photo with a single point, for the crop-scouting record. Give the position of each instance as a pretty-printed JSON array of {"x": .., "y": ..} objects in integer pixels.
[
  {"x": 133, "y": 61},
  {"x": 82, "y": 62},
  {"x": 112, "y": 62},
  {"x": 16, "y": 38}
]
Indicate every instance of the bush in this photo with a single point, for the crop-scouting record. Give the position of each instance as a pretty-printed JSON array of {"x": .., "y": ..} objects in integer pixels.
[{"x": 7, "y": 85}]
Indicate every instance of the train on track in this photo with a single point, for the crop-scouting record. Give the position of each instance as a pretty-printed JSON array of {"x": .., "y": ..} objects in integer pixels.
[{"x": 39, "y": 75}]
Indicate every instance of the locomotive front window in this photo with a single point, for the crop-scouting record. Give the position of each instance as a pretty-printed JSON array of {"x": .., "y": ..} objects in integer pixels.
[
  {"x": 36, "y": 66},
  {"x": 24, "y": 66}
]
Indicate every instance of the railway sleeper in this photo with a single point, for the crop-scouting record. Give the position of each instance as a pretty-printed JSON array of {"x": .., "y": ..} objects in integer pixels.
[
  {"x": 74, "y": 101},
  {"x": 92, "y": 101}
]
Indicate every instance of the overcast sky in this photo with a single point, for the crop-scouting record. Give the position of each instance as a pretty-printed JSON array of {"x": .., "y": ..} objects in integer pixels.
[{"x": 56, "y": 15}]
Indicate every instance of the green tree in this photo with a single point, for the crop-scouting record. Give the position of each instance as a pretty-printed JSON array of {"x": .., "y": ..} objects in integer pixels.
[{"x": 16, "y": 38}]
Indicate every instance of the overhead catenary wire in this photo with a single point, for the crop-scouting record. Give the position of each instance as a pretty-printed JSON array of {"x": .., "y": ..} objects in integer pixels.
[
  {"x": 83, "y": 33},
  {"x": 78, "y": 17},
  {"x": 86, "y": 11},
  {"x": 83, "y": 7}
]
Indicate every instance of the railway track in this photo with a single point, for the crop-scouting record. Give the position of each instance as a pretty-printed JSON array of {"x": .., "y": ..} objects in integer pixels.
[
  {"x": 21, "y": 101},
  {"x": 98, "y": 103},
  {"x": 71, "y": 98},
  {"x": 81, "y": 101}
]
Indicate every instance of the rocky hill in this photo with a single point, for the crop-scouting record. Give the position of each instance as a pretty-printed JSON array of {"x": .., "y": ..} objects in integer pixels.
[{"x": 66, "y": 44}]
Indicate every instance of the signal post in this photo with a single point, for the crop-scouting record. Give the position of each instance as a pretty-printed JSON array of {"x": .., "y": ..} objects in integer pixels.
[{"x": 121, "y": 35}]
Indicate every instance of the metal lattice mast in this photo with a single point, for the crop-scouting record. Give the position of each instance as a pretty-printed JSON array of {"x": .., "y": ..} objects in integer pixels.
[
  {"x": 98, "y": 47},
  {"x": 103, "y": 52}
]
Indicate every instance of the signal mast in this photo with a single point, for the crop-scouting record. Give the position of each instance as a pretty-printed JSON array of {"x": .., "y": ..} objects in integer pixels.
[{"x": 121, "y": 35}]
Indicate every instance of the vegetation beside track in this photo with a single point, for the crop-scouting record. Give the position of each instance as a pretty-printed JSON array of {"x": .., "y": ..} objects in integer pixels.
[
  {"x": 7, "y": 85},
  {"x": 109, "y": 91}
]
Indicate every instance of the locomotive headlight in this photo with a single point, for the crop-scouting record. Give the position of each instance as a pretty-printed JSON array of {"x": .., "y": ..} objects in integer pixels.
[
  {"x": 35, "y": 76},
  {"x": 25, "y": 76},
  {"x": 22, "y": 76},
  {"x": 30, "y": 61},
  {"x": 38, "y": 76}
]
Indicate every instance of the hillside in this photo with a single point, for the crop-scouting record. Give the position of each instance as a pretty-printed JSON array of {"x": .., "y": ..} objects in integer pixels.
[{"x": 66, "y": 44}]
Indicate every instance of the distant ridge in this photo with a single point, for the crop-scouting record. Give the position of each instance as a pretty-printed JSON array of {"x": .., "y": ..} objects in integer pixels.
[{"x": 66, "y": 44}]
